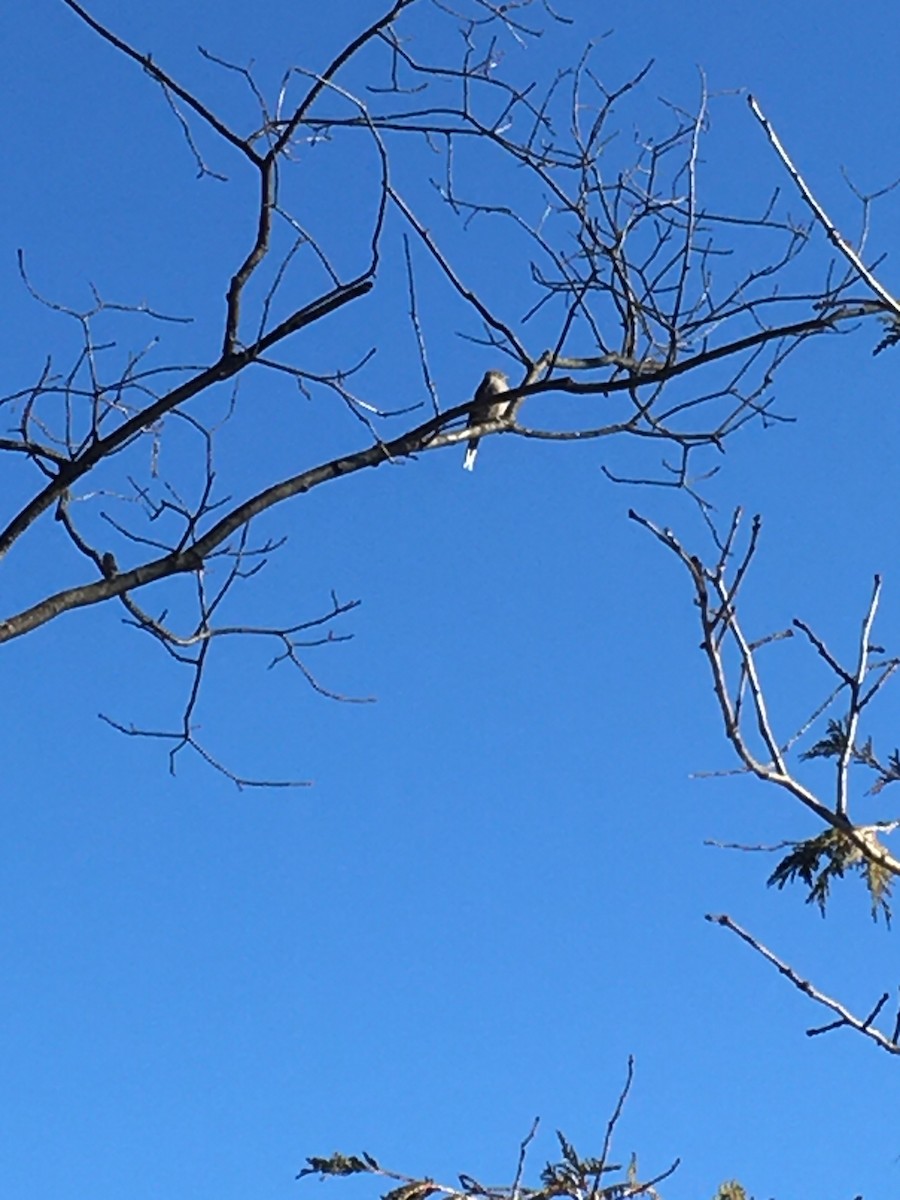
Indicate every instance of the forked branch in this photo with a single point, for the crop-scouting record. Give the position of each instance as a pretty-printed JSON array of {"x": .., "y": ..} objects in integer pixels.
[{"x": 842, "y": 845}]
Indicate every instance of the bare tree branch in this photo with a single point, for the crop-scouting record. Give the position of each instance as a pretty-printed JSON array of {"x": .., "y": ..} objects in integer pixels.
[
  {"x": 889, "y": 301},
  {"x": 628, "y": 305},
  {"x": 845, "y": 1017}
]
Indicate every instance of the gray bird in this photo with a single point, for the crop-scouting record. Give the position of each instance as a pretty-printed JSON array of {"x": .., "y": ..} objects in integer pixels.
[{"x": 486, "y": 408}]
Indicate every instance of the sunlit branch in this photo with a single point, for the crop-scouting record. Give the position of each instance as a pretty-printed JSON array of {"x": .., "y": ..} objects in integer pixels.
[
  {"x": 845, "y": 1016},
  {"x": 716, "y": 589},
  {"x": 821, "y": 216}
]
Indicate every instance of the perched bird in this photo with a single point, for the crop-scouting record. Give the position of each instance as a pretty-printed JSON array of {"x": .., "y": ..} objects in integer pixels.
[{"x": 486, "y": 408}]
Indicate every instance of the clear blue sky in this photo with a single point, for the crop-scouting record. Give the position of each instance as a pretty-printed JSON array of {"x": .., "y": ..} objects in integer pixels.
[{"x": 494, "y": 893}]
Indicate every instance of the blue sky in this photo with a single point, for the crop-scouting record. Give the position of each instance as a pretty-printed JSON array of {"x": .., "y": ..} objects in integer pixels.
[{"x": 494, "y": 892}]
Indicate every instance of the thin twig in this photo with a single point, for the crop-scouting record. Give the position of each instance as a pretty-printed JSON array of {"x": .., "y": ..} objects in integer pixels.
[
  {"x": 820, "y": 214},
  {"x": 803, "y": 985}
]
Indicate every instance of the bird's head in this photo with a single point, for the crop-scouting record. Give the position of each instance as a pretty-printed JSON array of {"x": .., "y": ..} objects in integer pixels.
[{"x": 495, "y": 381}]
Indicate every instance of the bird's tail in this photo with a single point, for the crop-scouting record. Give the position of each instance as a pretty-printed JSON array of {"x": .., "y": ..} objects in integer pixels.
[{"x": 471, "y": 451}]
